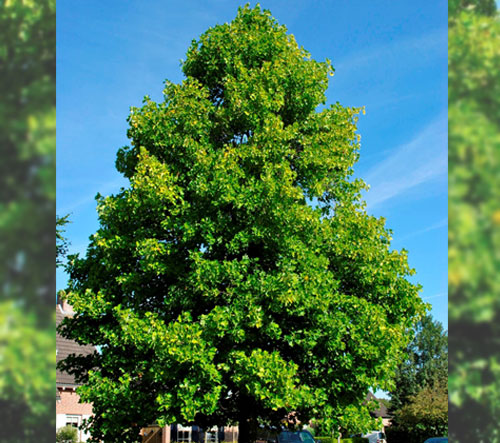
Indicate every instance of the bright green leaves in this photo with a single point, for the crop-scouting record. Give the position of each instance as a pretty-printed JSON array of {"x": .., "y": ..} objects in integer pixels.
[
  {"x": 328, "y": 148},
  {"x": 180, "y": 357},
  {"x": 174, "y": 130},
  {"x": 252, "y": 65},
  {"x": 267, "y": 377},
  {"x": 153, "y": 182},
  {"x": 239, "y": 273}
]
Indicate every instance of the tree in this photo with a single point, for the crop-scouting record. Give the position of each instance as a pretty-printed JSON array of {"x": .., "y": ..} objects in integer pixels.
[
  {"x": 238, "y": 279},
  {"x": 474, "y": 193},
  {"x": 419, "y": 399},
  {"x": 425, "y": 415},
  {"x": 426, "y": 363},
  {"x": 61, "y": 240}
]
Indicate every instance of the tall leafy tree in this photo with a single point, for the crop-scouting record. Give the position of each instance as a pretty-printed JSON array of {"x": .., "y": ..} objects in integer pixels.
[
  {"x": 419, "y": 399},
  {"x": 238, "y": 279},
  {"x": 426, "y": 362},
  {"x": 474, "y": 213}
]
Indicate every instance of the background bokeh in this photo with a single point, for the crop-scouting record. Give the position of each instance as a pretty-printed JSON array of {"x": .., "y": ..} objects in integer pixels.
[
  {"x": 474, "y": 221},
  {"x": 27, "y": 210}
]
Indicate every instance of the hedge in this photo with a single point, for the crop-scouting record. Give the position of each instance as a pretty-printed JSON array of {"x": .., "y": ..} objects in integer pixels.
[{"x": 354, "y": 440}]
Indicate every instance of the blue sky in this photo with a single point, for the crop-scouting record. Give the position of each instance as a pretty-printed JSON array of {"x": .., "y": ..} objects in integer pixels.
[{"x": 390, "y": 57}]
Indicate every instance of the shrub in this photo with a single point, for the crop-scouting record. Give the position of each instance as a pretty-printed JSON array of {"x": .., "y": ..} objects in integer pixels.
[
  {"x": 426, "y": 415},
  {"x": 67, "y": 434}
]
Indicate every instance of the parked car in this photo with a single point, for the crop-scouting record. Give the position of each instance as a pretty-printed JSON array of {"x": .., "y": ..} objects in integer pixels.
[
  {"x": 302, "y": 436},
  {"x": 375, "y": 437},
  {"x": 437, "y": 440}
]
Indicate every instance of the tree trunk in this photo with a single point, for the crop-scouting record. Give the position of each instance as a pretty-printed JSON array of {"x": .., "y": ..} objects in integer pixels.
[{"x": 247, "y": 425}]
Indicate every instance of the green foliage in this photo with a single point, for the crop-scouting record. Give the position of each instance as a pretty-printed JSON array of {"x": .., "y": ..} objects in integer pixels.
[
  {"x": 386, "y": 402},
  {"x": 355, "y": 420},
  {"x": 474, "y": 214},
  {"x": 67, "y": 434},
  {"x": 61, "y": 240},
  {"x": 239, "y": 277},
  {"x": 419, "y": 400},
  {"x": 27, "y": 205},
  {"x": 424, "y": 416},
  {"x": 426, "y": 362},
  {"x": 484, "y": 7}
]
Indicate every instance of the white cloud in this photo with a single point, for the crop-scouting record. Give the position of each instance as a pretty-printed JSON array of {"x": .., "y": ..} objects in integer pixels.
[
  {"x": 441, "y": 294},
  {"x": 418, "y": 50},
  {"x": 104, "y": 189},
  {"x": 443, "y": 223},
  {"x": 421, "y": 160}
]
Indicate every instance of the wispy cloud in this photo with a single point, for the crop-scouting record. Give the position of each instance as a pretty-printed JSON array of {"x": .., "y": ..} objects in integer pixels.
[
  {"x": 421, "y": 160},
  {"x": 443, "y": 223},
  {"x": 441, "y": 294},
  {"x": 421, "y": 49},
  {"x": 104, "y": 189}
]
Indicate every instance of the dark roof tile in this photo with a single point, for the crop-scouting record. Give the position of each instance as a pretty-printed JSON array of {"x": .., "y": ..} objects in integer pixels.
[{"x": 66, "y": 347}]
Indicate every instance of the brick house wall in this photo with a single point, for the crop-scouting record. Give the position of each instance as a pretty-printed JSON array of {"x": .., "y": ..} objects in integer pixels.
[
  {"x": 69, "y": 404},
  {"x": 69, "y": 410}
]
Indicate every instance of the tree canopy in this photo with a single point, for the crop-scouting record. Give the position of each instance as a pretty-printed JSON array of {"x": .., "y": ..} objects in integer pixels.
[
  {"x": 419, "y": 399},
  {"x": 424, "y": 415},
  {"x": 426, "y": 362},
  {"x": 239, "y": 278}
]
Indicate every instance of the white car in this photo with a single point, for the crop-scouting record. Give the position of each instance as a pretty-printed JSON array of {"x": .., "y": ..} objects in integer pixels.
[{"x": 375, "y": 437}]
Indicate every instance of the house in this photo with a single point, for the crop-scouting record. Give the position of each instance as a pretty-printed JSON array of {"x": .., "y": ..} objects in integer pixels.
[
  {"x": 69, "y": 410},
  {"x": 189, "y": 434},
  {"x": 382, "y": 412}
]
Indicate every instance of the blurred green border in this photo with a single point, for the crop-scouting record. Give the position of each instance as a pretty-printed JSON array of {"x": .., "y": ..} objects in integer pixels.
[
  {"x": 474, "y": 220},
  {"x": 27, "y": 211}
]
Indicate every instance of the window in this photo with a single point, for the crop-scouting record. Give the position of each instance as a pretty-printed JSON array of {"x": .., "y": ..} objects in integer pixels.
[
  {"x": 73, "y": 420},
  {"x": 211, "y": 436},
  {"x": 183, "y": 434}
]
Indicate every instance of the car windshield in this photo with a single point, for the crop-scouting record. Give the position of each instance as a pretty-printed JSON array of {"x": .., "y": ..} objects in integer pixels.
[
  {"x": 306, "y": 437},
  {"x": 295, "y": 437}
]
